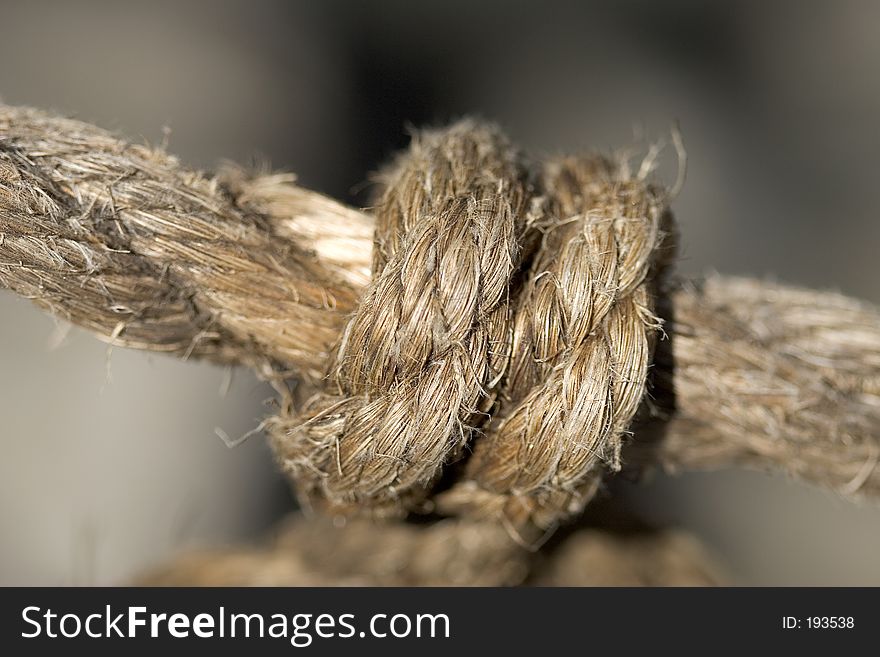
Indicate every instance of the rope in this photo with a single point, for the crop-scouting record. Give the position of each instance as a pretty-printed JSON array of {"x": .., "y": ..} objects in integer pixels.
[
  {"x": 479, "y": 344},
  {"x": 581, "y": 347},
  {"x": 418, "y": 358},
  {"x": 316, "y": 552},
  {"x": 122, "y": 240},
  {"x": 425, "y": 357}
]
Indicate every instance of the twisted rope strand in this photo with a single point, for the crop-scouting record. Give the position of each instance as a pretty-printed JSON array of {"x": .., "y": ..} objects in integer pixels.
[
  {"x": 316, "y": 552},
  {"x": 788, "y": 393},
  {"x": 579, "y": 375},
  {"x": 123, "y": 240},
  {"x": 481, "y": 298},
  {"x": 425, "y": 345}
]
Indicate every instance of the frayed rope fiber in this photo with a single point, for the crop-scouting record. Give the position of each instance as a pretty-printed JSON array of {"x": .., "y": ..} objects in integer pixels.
[
  {"x": 478, "y": 344},
  {"x": 488, "y": 301}
]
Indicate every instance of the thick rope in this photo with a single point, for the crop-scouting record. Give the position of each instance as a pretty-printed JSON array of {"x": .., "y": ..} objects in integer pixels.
[
  {"x": 122, "y": 240},
  {"x": 797, "y": 387},
  {"x": 581, "y": 348},
  {"x": 316, "y": 552},
  {"x": 425, "y": 346},
  {"x": 496, "y": 352},
  {"x": 428, "y": 348}
]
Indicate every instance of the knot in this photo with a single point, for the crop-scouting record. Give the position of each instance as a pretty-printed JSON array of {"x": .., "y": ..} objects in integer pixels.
[
  {"x": 490, "y": 355},
  {"x": 501, "y": 350}
]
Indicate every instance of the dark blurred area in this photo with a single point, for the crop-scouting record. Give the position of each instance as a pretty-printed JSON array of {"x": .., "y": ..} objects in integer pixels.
[{"x": 778, "y": 104}]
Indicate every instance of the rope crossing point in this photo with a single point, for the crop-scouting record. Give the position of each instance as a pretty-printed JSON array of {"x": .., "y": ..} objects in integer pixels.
[
  {"x": 479, "y": 344},
  {"x": 508, "y": 318}
]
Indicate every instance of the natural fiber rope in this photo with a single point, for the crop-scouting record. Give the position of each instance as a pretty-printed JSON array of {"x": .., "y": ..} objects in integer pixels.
[
  {"x": 122, "y": 240},
  {"x": 315, "y": 552},
  {"x": 581, "y": 347},
  {"x": 501, "y": 350},
  {"x": 419, "y": 357},
  {"x": 426, "y": 353},
  {"x": 773, "y": 378}
]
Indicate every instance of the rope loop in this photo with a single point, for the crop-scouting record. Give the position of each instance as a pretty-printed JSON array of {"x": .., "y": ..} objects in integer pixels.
[{"x": 506, "y": 336}]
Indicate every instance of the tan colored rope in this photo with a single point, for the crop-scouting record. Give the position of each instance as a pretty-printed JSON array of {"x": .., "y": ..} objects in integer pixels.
[
  {"x": 581, "y": 347},
  {"x": 426, "y": 344},
  {"x": 315, "y": 552},
  {"x": 122, "y": 240},
  {"x": 773, "y": 378},
  {"x": 490, "y": 359}
]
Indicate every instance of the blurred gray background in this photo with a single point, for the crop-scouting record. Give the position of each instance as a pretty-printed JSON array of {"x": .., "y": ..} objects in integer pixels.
[{"x": 110, "y": 463}]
